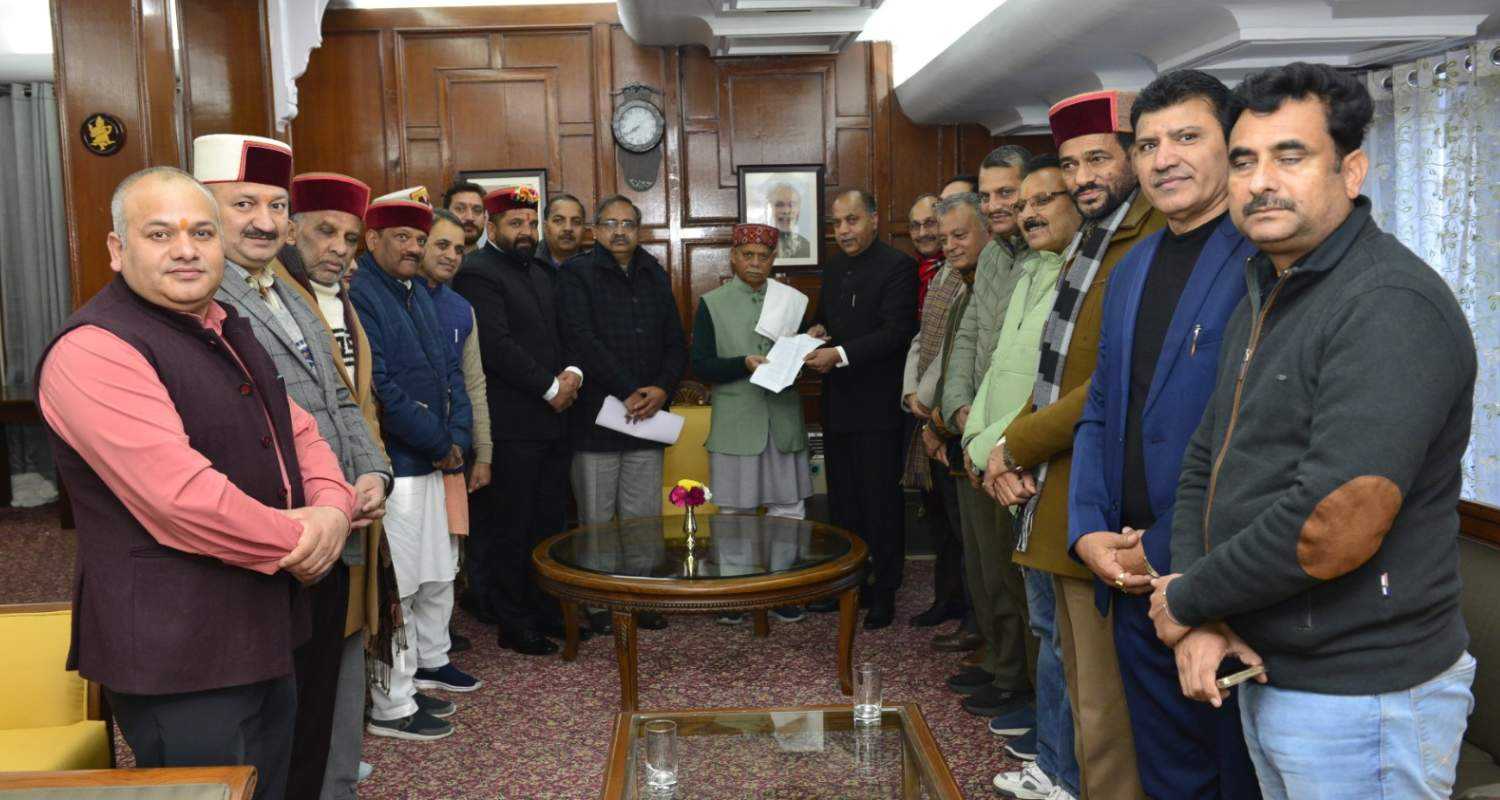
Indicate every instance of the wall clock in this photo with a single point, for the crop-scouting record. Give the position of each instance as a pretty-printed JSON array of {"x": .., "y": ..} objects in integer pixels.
[{"x": 638, "y": 127}]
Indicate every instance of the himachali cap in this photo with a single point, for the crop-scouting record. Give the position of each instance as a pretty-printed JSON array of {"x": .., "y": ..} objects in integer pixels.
[
  {"x": 1107, "y": 111},
  {"x": 235, "y": 158},
  {"x": 510, "y": 198},
  {"x": 754, "y": 233},
  {"x": 407, "y": 208},
  {"x": 329, "y": 191}
]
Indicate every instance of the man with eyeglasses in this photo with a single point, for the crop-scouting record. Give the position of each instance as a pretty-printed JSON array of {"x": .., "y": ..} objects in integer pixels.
[{"x": 621, "y": 326}]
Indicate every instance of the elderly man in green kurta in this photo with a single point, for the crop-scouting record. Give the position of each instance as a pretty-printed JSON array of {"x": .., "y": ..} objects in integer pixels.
[{"x": 757, "y": 442}]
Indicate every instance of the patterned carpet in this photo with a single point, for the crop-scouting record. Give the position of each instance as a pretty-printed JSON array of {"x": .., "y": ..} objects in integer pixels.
[{"x": 539, "y": 728}]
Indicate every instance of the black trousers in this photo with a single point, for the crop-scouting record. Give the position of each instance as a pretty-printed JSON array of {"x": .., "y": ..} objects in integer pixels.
[
  {"x": 941, "y": 506},
  {"x": 247, "y": 725},
  {"x": 865, "y": 498},
  {"x": 526, "y": 501},
  {"x": 317, "y": 664}
]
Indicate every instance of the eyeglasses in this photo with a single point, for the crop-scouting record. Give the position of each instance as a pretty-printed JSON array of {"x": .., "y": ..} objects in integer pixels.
[
  {"x": 621, "y": 224},
  {"x": 928, "y": 225},
  {"x": 1038, "y": 201}
]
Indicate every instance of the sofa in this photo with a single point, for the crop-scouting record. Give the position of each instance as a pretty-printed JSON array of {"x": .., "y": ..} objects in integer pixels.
[{"x": 50, "y": 718}]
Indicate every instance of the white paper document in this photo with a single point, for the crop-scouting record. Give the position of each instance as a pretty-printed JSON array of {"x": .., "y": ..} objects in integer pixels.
[
  {"x": 784, "y": 362},
  {"x": 663, "y": 426},
  {"x": 781, "y": 312}
]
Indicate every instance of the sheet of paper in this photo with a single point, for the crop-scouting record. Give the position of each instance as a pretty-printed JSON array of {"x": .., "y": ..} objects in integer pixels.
[
  {"x": 784, "y": 362},
  {"x": 781, "y": 313},
  {"x": 663, "y": 426}
]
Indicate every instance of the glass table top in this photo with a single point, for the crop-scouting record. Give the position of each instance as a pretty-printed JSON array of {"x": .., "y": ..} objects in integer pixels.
[
  {"x": 727, "y": 546},
  {"x": 786, "y": 755}
]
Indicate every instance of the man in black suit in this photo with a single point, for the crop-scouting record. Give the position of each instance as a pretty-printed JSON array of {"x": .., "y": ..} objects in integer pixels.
[
  {"x": 867, "y": 314},
  {"x": 529, "y": 387}
]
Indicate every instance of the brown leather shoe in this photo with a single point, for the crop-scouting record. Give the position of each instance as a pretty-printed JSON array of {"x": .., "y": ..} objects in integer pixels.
[
  {"x": 973, "y": 659},
  {"x": 956, "y": 642}
]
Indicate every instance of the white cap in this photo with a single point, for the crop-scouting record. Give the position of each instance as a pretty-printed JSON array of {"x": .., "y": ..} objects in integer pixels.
[
  {"x": 414, "y": 194},
  {"x": 234, "y": 158}
]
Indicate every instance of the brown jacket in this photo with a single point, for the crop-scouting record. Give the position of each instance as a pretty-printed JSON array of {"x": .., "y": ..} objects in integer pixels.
[
  {"x": 363, "y": 597},
  {"x": 1038, "y": 435}
]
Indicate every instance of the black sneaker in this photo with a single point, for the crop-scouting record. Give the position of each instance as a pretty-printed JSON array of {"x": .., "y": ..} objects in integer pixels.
[
  {"x": 971, "y": 680},
  {"x": 992, "y": 702},
  {"x": 436, "y": 706},
  {"x": 419, "y": 727}
]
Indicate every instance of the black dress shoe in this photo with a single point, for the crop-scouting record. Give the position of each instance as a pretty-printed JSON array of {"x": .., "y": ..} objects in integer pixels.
[
  {"x": 599, "y": 623},
  {"x": 650, "y": 621},
  {"x": 936, "y": 615},
  {"x": 881, "y": 615},
  {"x": 992, "y": 702},
  {"x": 457, "y": 642},
  {"x": 557, "y": 630},
  {"x": 528, "y": 643},
  {"x": 956, "y": 642},
  {"x": 970, "y": 680},
  {"x": 827, "y": 605}
]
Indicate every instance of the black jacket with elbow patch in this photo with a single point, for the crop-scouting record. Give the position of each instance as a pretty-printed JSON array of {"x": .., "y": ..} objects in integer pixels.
[{"x": 1317, "y": 511}]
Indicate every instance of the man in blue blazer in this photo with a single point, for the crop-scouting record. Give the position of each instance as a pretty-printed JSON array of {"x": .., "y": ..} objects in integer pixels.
[{"x": 1164, "y": 315}]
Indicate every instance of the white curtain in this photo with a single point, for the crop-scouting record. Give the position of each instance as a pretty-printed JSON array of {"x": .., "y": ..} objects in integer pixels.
[
  {"x": 33, "y": 231},
  {"x": 1435, "y": 184}
]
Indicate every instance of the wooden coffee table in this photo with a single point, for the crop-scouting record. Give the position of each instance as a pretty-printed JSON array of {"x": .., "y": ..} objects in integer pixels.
[
  {"x": 807, "y": 752},
  {"x": 739, "y": 563}
]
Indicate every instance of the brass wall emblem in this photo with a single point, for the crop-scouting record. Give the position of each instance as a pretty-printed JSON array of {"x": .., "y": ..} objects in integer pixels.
[{"x": 103, "y": 134}]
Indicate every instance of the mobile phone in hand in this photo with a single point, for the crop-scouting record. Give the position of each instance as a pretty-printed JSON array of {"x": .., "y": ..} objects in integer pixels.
[{"x": 1236, "y": 678}]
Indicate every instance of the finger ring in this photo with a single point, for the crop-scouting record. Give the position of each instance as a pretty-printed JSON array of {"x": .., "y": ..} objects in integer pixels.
[{"x": 1120, "y": 580}]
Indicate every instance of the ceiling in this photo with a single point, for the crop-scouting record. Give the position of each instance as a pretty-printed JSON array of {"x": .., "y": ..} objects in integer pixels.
[{"x": 748, "y": 27}]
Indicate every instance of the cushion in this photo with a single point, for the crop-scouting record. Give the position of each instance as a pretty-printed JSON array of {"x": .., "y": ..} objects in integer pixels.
[
  {"x": 35, "y": 689},
  {"x": 688, "y": 458},
  {"x": 82, "y": 745}
]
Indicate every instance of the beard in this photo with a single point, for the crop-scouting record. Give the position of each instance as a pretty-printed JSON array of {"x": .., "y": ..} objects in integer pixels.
[
  {"x": 523, "y": 246},
  {"x": 1114, "y": 195}
]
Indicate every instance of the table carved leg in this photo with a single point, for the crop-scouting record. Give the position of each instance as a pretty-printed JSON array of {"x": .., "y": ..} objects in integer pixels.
[
  {"x": 762, "y": 625},
  {"x": 626, "y": 653},
  {"x": 848, "y": 613},
  {"x": 570, "y": 630}
]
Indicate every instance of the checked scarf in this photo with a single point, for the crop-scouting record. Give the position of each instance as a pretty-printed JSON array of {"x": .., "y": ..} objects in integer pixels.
[
  {"x": 1088, "y": 249},
  {"x": 932, "y": 342}
]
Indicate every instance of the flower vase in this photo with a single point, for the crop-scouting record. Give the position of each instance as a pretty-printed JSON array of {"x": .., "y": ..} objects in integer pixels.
[{"x": 690, "y": 526}]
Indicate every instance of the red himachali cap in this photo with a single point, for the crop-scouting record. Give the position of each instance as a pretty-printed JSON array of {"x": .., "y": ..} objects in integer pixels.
[
  {"x": 406, "y": 208},
  {"x": 1106, "y": 111},
  {"x": 329, "y": 191},
  {"x": 236, "y": 158},
  {"x": 755, "y": 233},
  {"x": 510, "y": 198}
]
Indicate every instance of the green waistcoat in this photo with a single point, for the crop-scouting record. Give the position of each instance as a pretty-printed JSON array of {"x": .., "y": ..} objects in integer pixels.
[{"x": 741, "y": 410}]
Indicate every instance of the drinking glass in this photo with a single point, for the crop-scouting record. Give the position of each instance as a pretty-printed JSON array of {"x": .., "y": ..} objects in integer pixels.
[
  {"x": 867, "y": 694},
  {"x": 661, "y": 753}
]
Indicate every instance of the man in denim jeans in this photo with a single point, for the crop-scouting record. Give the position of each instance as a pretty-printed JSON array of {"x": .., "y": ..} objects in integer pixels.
[{"x": 1316, "y": 527}]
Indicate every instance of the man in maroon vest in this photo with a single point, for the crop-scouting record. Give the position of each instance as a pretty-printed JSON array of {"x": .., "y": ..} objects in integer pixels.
[{"x": 203, "y": 495}]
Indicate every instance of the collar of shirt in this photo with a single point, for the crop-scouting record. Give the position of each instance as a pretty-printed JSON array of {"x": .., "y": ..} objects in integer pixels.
[
  {"x": 259, "y": 281},
  {"x": 324, "y": 291}
]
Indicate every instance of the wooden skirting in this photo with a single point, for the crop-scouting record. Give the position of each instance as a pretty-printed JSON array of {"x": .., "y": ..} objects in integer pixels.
[{"x": 1479, "y": 521}]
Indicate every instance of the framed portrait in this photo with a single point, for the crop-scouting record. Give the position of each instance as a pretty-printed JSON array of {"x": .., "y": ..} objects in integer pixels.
[
  {"x": 788, "y": 197},
  {"x": 492, "y": 179}
]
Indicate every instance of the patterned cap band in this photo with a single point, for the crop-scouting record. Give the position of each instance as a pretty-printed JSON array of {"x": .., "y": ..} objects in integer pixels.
[
  {"x": 511, "y": 198},
  {"x": 753, "y": 233}
]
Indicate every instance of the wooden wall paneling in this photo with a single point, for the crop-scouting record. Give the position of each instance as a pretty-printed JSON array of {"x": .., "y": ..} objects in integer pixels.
[
  {"x": 519, "y": 129},
  {"x": 158, "y": 75},
  {"x": 780, "y": 112},
  {"x": 602, "y": 39},
  {"x": 340, "y": 126},
  {"x": 226, "y": 67}
]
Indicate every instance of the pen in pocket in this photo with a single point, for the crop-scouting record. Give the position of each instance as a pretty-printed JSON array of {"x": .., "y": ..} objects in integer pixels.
[{"x": 1193, "y": 350}]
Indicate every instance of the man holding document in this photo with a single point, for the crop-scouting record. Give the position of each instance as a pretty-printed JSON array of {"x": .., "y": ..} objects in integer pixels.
[{"x": 621, "y": 327}]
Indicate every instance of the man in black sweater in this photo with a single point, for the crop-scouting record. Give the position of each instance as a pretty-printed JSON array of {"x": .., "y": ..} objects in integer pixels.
[
  {"x": 868, "y": 313},
  {"x": 1316, "y": 523}
]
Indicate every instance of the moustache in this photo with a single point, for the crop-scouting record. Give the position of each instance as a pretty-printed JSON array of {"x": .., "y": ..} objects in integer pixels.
[
  {"x": 618, "y": 239},
  {"x": 1088, "y": 187},
  {"x": 1267, "y": 201},
  {"x": 257, "y": 233},
  {"x": 1032, "y": 223}
]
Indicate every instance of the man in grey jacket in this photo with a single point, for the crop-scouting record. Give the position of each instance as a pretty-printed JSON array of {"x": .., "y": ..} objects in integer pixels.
[
  {"x": 997, "y": 592},
  {"x": 250, "y": 178},
  {"x": 1316, "y": 524}
]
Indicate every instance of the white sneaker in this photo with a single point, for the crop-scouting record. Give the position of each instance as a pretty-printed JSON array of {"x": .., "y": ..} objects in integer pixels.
[
  {"x": 1028, "y": 783},
  {"x": 1059, "y": 793},
  {"x": 364, "y": 773}
]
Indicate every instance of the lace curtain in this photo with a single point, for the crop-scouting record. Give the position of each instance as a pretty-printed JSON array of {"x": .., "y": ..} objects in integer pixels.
[{"x": 1434, "y": 149}]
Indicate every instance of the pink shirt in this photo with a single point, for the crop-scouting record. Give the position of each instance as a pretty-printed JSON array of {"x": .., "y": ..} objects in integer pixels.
[{"x": 105, "y": 400}]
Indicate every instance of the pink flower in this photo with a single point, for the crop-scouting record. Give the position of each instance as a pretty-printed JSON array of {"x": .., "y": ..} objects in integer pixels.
[
  {"x": 695, "y": 496},
  {"x": 678, "y": 496}
]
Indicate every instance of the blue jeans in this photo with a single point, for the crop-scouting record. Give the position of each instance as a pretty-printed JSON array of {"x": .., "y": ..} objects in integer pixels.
[
  {"x": 1395, "y": 746},
  {"x": 1054, "y": 717}
]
